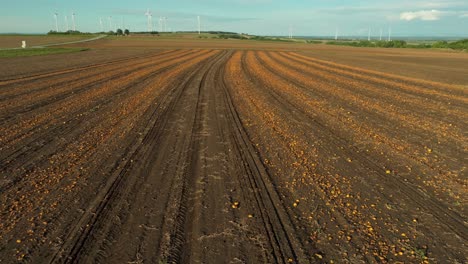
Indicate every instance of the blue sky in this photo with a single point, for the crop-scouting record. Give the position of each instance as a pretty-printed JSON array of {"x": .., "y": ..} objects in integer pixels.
[{"x": 262, "y": 17}]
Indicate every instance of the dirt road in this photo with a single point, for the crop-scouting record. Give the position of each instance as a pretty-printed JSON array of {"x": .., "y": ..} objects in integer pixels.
[{"x": 222, "y": 156}]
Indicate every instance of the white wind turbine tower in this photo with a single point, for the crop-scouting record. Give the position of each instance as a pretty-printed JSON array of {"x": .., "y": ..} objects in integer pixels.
[
  {"x": 110, "y": 23},
  {"x": 290, "y": 31},
  {"x": 73, "y": 21},
  {"x": 56, "y": 22},
  {"x": 390, "y": 33},
  {"x": 381, "y": 34},
  {"x": 66, "y": 23},
  {"x": 368, "y": 36},
  {"x": 149, "y": 18},
  {"x": 336, "y": 33},
  {"x": 151, "y": 22},
  {"x": 199, "y": 25},
  {"x": 160, "y": 24},
  {"x": 100, "y": 23},
  {"x": 165, "y": 24}
]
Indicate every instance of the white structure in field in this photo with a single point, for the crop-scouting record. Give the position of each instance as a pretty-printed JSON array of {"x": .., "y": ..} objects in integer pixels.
[
  {"x": 199, "y": 25},
  {"x": 149, "y": 17},
  {"x": 100, "y": 23},
  {"x": 66, "y": 23},
  {"x": 389, "y": 33},
  {"x": 368, "y": 36},
  {"x": 336, "y": 33},
  {"x": 23, "y": 44},
  {"x": 73, "y": 21},
  {"x": 381, "y": 34},
  {"x": 56, "y": 22}
]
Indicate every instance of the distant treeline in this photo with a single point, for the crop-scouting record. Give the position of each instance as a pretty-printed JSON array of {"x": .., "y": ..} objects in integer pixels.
[
  {"x": 69, "y": 32},
  {"x": 76, "y": 32},
  {"x": 209, "y": 32},
  {"x": 119, "y": 32},
  {"x": 456, "y": 45}
]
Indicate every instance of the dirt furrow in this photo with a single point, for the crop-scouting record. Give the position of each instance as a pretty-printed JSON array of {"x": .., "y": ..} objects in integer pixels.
[
  {"x": 27, "y": 87},
  {"x": 55, "y": 178},
  {"x": 336, "y": 153},
  {"x": 128, "y": 190},
  {"x": 96, "y": 99},
  {"x": 414, "y": 145},
  {"x": 32, "y": 94},
  {"x": 230, "y": 156},
  {"x": 416, "y": 110},
  {"x": 404, "y": 84},
  {"x": 70, "y": 70},
  {"x": 298, "y": 158},
  {"x": 410, "y": 191}
]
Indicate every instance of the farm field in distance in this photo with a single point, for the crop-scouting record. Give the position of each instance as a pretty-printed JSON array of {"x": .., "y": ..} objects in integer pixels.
[
  {"x": 14, "y": 41},
  {"x": 147, "y": 150}
]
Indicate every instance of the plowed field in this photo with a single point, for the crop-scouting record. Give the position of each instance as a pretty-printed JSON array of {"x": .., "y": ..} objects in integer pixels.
[{"x": 223, "y": 156}]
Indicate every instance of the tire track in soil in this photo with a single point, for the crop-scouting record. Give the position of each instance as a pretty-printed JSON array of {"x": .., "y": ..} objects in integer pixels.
[
  {"x": 454, "y": 221},
  {"x": 285, "y": 249},
  {"x": 26, "y": 154},
  {"x": 321, "y": 187},
  {"x": 411, "y": 192},
  {"x": 192, "y": 157},
  {"x": 99, "y": 214},
  {"x": 85, "y": 151},
  {"x": 80, "y": 108},
  {"x": 203, "y": 168}
]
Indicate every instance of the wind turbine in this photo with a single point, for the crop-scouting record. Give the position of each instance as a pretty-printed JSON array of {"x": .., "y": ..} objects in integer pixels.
[
  {"x": 100, "y": 23},
  {"x": 56, "y": 21},
  {"x": 368, "y": 36},
  {"x": 165, "y": 24},
  {"x": 110, "y": 23},
  {"x": 160, "y": 24},
  {"x": 151, "y": 22},
  {"x": 390, "y": 33},
  {"x": 66, "y": 23},
  {"x": 73, "y": 21},
  {"x": 336, "y": 33},
  {"x": 199, "y": 26},
  {"x": 381, "y": 34},
  {"x": 149, "y": 16},
  {"x": 290, "y": 31}
]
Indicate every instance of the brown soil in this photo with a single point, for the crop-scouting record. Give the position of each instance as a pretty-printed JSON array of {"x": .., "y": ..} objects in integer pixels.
[{"x": 221, "y": 155}]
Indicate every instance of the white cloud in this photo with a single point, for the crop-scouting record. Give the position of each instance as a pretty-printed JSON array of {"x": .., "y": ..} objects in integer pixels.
[{"x": 427, "y": 15}]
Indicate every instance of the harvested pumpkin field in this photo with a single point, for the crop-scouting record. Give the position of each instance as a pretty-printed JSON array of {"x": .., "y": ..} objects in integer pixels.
[{"x": 231, "y": 156}]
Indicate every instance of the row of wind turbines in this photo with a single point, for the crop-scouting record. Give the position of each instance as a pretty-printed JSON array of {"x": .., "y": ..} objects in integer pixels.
[
  {"x": 369, "y": 36},
  {"x": 111, "y": 26},
  {"x": 163, "y": 22},
  {"x": 66, "y": 22}
]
